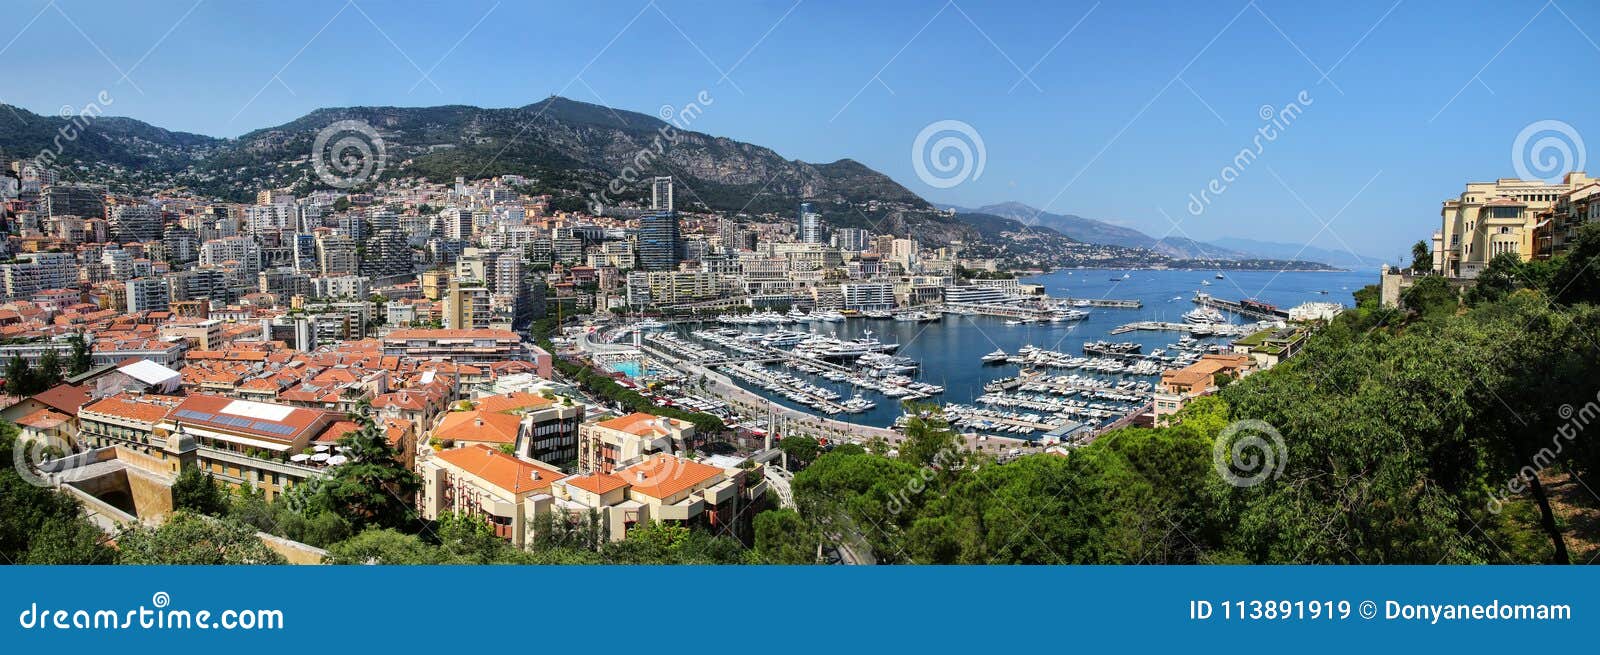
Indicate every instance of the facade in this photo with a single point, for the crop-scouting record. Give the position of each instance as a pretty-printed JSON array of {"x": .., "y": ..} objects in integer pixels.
[
  {"x": 660, "y": 246},
  {"x": 148, "y": 294},
  {"x": 35, "y": 272},
  {"x": 810, "y": 224},
  {"x": 867, "y": 295},
  {"x": 462, "y": 346},
  {"x": 1492, "y": 218},
  {"x": 608, "y": 445},
  {"x": 503, "y": 490},
  {"x": 661, "y": 488},
  {"x": 136, "y": 223}
]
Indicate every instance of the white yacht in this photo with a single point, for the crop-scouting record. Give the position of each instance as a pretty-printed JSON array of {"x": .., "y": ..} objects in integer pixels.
[
  {"x": 1204, "y": 316},
  {"x": 996, "y": 357}
]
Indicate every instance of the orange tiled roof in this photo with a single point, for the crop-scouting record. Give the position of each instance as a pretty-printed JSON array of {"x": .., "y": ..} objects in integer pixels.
[
  {"x": 664, "y": 475},
  {"x": 642, "y": 424},
  {"x": 479, "y": 427},
  {"x": 501, "y": 470},
  {"x": 599, "y": 483},
  {"x": 513, "y": 401}
]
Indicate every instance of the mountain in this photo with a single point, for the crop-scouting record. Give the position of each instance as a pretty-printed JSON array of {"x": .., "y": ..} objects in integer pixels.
[
  {"x": 1093, "y": 231},
  {"x": 1340, "y": 258}
]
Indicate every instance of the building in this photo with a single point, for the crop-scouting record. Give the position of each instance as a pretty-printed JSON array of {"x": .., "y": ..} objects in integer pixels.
[
  {"x": 148, "y": 294},
  {"x": 37, "y": 271},
  {"x": 1492, "y": 218},
  {"x": 609, "y": 445},
  {"x": 336, "y": 255},
  {"x": 1180, "y": 386},
  {"x": 388, "y": 255},
  {"x": 244, "y": 442},
  {"x": 462, "y": 346},
  {"x": 810, "y": 224},
  {"x": 660, "y": 488},
  {"x": 660, "y": 246},
  {"x": 503, "y": 490},
  {"x": 84, "y": 200},
  {"x": 974, "y": 294},
  {"x": 867, "y": 295},
  {"x": 136, "y": 223},
  {"x": 467, "y": 307},
  {"x": 851, "y": 239},
  {"x": 548, "y": 430},
  {"x": 661, "y": 194}
]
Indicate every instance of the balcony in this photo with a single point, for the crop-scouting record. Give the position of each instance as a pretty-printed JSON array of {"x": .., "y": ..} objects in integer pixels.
[{"x": 682, "y": 510}]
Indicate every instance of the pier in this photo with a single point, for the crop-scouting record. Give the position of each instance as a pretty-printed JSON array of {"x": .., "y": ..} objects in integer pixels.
[
  {"x": 1105, "y": 302},
  {"x": 1228, "y": 330},
  {"x": 1246, "y": 308}
]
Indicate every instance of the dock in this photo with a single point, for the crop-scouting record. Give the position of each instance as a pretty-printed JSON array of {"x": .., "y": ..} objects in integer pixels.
[
  {"x": 1246, "y": 308},
  {"x": 1106, "y": 302},
  {"x": 1199, "y": 330}
]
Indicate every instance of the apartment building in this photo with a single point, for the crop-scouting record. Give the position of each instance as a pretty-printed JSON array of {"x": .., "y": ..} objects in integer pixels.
[
  {"x": 1493, "y": 218},
  {"x": 660, "y": 488},
  {"x": 1180, "y": 386},
  {"x": 608, "y": 445},
  {"x": 462, "y": 346},
  {"x": 506, "y": 492}
]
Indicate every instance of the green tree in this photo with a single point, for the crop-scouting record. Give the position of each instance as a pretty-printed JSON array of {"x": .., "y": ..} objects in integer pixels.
[
  {"x": 383, "y": 546},
  {"x": 193, "y": 539},
  {"x": 782, "y": 537},
  {"x": 1421, "y": 258},
  {"x": 373, "y": 488},
  {"x": 18, "y": 377},
  {"x": 197, "y": 491},
  {"x": 800, "y": 449},
  {"x": 46, "y": 373},
  {"x": 82, "y": 358}
]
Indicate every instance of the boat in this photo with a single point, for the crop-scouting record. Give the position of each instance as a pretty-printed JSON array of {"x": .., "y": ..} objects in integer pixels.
[
  {"x": 1219, "y": 276},
  {"x": 878, "y": 313},
  {"x": 856, "y": 404},
  {"x": 1204, "y": 316},
  {"x": 996, "y": 357},
  {"x": 1126, "y": 276},
  {"x": 829, "y": 316},
  {"x": 652, "y": 324},
  {"x": 1013, "y": 321},
  {"x": 1108, "y": 348},
  {"x": 1205, "y": 283},
  {"x": 1081, "y": 303}
]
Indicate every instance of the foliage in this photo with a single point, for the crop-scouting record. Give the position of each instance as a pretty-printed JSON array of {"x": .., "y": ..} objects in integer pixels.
[
  {"x": 193, "y": 539},
  {"x": 197, "y": 491},
  {"x": 82, "y": 358},
  {"x": 373, "y": 488},
  {"x": 39, "y": 525},
  {"x": 1421, "y": 257},
  {"x": 782, "y": 537},
  {"x": 800, "y": 449}
]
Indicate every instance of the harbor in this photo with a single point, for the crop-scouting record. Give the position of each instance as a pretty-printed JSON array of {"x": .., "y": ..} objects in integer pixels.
[{"x": 987, "y": 372}]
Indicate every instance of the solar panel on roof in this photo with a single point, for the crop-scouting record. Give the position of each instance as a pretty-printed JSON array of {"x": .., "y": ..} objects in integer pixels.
[
  {"x": 274, "y": 428},
  {"x": 191, "y": 414}
]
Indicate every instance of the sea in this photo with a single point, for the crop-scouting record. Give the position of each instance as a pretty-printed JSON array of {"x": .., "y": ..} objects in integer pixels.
[{"x": 951, "y": 349}]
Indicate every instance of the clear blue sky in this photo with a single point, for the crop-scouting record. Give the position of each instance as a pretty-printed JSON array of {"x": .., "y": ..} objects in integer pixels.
[{"x": 1106, "y": 127}]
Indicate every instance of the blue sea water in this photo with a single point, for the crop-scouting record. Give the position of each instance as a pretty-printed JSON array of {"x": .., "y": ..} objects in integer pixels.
[{"x": 950, "y": 349}]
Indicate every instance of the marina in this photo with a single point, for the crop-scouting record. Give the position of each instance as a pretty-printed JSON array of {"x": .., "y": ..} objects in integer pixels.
[{"x": 1040, "y": 380}]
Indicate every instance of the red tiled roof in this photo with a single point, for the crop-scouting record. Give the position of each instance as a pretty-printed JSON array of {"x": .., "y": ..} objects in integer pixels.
[{"x": 475, "y": 426}]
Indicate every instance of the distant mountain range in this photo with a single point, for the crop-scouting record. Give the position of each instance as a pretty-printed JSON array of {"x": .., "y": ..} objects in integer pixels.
[{"x": 1097, "y": 231}]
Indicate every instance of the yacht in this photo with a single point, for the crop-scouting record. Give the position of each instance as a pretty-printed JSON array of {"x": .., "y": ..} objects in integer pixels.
[
  {"x": 1204, "y": 316},
  {"x": 1081, "y": 303},
  {"x": 856, "y": 404},
  {"x": 796, "y": 315},
  {"x": 878, "y": 313},
  {"x": 996, "y": 357},
  {"x": 1219, "y": 276},
  {"x": 829, "y": 316},
  {"x": 649, "y": 324},
  {"x": 1014, "y": 322}
]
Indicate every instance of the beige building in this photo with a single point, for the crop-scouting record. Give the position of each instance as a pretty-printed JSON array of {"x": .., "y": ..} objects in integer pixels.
[
  {"x": 661, "y": 488},
  {"x": 479, "y": 480},
  {"x": 1491, "y": 218},
  {"x": 608, "y": 445}
]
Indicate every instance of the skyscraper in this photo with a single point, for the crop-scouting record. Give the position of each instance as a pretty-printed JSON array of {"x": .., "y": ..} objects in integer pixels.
[
  {"x": 810, "y": 224},
  {"x": 131, "y": 223},
  {"x": 661, "y": 194},
  {"x": 659, "y": 245}
]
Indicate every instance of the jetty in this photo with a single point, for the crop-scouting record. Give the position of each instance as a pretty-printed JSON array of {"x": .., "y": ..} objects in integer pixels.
[
  {"x": 1247, "y": 308},
  {"x": 1105, "y": 302},
  {"x": 1225, "y": 330}
]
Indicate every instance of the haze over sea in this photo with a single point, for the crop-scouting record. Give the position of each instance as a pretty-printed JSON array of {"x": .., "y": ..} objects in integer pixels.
[{"x": 950, "y": 349}]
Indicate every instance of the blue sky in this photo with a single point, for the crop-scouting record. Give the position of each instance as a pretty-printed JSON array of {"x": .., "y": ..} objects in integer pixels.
[{"x": 1121, "y": 119}]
